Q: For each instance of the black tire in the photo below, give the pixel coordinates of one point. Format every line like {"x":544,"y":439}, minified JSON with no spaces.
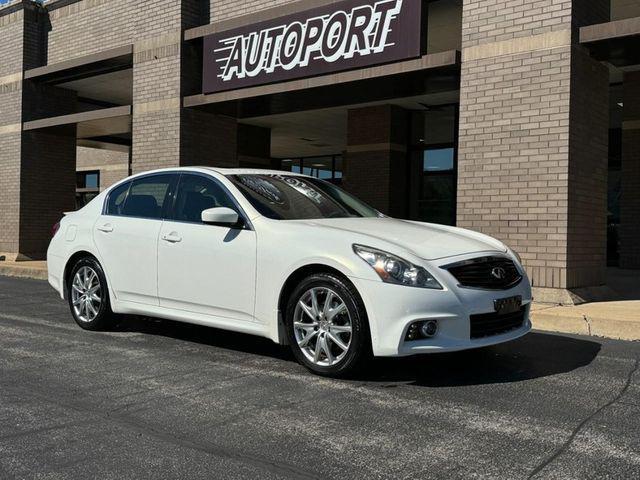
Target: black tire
{"x":359,"y":348}
{"x":104,"y":318}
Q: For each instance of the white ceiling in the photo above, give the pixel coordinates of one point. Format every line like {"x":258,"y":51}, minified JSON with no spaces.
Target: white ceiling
{"x":324,"y":132}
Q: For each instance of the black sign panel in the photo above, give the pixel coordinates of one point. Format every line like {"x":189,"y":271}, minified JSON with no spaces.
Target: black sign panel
{"x":341,"y":36}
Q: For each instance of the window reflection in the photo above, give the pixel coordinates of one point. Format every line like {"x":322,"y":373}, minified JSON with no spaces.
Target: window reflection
{"x":325,"y":167}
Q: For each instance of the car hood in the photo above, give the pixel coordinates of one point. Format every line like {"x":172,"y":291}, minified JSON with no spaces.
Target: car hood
{"x":425,"y":240}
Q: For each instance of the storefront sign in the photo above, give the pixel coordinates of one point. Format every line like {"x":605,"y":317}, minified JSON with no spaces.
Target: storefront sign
{"x":341,"y":36}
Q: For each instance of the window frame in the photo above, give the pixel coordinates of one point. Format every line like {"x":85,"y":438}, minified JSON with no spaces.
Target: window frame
{"x":168,"y":195}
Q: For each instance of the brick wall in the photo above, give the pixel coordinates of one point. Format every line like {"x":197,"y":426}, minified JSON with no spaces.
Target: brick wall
{"x":111,"y":161}
{"x":11,"y":52}
{"x":226,"y":9}
{"x":90,"y":26}
{"x":519,"y":158}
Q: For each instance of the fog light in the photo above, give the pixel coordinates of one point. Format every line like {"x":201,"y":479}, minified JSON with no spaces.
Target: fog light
{"x":429,"y":329}
{"x":424,"y":329}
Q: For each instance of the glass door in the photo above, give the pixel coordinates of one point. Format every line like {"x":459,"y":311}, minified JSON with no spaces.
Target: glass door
{"x":434,"y":159}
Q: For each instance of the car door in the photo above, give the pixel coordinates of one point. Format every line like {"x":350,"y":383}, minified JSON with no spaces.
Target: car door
{"x":207,"y":269}
{"x":126,"y":235}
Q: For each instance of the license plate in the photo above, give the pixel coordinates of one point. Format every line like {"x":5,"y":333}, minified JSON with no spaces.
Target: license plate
{"x":504,"y":306}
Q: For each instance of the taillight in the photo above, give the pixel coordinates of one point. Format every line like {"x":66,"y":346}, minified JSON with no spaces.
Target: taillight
{"x":55,"y":229}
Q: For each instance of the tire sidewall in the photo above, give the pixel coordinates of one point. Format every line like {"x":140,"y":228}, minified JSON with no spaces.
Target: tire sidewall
{"x":104,"y":313}
{"x":360,"y":337}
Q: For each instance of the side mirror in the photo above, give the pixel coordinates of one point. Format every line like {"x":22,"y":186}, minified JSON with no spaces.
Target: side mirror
{"x":220,"y":216}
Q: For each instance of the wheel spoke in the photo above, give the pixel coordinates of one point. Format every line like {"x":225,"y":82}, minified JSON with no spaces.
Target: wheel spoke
{"x":306,"y":326}
{"x":95,"y":298}
{"x":308,"y":310}
{"x":327,"y":304}
{"x":316,"y":353}
{"x":314,"y":303}
{"x":341,"y":328}
{"x":327,"y":349}
{"x":91,"y":309}
{"x":305,"y":341}
{"x":335,"y":339}
{"x":77,"y":288}
{"x":336,"y":311}
{"x":77,"y":301}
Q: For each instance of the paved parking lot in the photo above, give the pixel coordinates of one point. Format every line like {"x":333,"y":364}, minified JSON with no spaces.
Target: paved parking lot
{"x":157,"y":399}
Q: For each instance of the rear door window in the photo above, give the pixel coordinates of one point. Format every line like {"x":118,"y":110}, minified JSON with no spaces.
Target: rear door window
{"x":149,"y":197}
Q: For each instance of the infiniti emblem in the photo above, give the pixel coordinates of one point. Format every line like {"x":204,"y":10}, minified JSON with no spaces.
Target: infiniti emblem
{"x":498,"y":273}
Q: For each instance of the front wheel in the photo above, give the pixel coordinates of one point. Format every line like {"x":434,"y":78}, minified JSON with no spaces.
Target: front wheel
{"x":327,"y":326}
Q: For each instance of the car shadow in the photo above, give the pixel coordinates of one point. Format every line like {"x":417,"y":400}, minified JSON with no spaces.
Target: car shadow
{"x":534,"y":356}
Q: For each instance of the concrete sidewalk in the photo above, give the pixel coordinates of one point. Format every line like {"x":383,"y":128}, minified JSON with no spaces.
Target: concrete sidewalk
{"x":615,"y":319}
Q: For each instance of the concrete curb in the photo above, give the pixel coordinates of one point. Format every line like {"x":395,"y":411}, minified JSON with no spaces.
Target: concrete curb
{"x":615,"y":324}
{"x":23,"y":272}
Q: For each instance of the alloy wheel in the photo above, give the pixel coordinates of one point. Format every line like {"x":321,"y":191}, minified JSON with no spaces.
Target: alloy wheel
{"x":86,"y":294}
{"x":322,"y":326}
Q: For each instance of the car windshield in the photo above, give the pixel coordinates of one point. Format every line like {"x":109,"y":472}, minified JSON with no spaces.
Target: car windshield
{"x":289,"y":197}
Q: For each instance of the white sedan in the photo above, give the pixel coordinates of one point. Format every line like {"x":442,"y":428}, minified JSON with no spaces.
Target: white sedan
{"x":288,"y":257}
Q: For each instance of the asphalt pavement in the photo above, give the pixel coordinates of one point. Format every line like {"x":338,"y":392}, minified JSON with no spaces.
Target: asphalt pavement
{"x":158,"y":399}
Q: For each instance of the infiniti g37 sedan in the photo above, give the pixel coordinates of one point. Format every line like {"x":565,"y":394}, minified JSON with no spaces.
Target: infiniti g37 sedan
{"x":287,"y":257}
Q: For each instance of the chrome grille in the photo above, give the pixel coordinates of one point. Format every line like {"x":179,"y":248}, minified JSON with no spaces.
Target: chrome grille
{"x":490,"y":273}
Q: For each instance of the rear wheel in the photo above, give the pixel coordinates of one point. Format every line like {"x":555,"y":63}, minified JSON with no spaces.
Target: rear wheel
{"x":89,"y":296}
{"x":327,"y":326}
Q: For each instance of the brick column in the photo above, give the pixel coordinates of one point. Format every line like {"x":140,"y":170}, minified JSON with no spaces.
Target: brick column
{"x":38,"y":167}
{"x":630,"y":197}
{"x":533,"y":139}
{"x":376,"y":158}
{"x":164,"y":133}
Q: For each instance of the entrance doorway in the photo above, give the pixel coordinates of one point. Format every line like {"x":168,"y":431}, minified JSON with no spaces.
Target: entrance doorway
{"x":434,"y":161}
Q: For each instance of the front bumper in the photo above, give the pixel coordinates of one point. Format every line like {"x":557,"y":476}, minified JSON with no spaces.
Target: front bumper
{"x":392,"y":309}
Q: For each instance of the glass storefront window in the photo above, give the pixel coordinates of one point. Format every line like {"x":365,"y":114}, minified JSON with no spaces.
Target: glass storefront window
{"x":327,"y":167}
{"x":87,"y":187}
{"x":438,"y":160}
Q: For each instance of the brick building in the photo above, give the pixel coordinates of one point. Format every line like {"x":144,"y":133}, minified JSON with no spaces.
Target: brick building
{"x":517,"y":118}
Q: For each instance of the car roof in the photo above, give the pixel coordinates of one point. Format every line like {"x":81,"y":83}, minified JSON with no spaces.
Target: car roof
{"x":222,"y":171}
{"x":249,"y":171}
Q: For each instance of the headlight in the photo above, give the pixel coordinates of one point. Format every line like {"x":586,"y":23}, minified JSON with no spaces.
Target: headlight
{"x":392,"y":269}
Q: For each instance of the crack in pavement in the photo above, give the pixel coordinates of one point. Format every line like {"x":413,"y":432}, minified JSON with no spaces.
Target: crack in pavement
{"x":584,"y":422}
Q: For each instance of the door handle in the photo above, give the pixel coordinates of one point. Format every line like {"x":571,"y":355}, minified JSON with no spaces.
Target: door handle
{"x":172,"y":238}
{"x":107,"y":228}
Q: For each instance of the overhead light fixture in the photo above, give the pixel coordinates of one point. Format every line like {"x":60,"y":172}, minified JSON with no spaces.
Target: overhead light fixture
{"x":620,"y":104}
